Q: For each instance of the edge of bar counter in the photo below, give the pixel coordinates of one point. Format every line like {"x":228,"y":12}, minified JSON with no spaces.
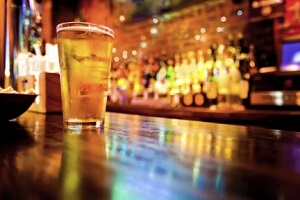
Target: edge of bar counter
{"x":267,"y":118}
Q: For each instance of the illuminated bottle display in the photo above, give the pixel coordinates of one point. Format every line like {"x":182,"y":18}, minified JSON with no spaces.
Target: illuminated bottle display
{"x":217,"y":77}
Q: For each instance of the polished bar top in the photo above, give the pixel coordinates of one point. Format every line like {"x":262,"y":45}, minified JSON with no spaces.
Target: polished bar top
{"x":279,"y":118}
{"x":142,"y":157}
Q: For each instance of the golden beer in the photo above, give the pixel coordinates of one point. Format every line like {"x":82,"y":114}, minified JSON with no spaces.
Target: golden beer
{"x":85,"y":52}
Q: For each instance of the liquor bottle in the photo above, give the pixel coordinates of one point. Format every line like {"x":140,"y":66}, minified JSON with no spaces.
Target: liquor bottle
{"x":200,"y":99}
{"x":187,"y":98}
{"x":252,"y":61}
{"x":170,"y":76}
{"x":175,"y":93}
{"x":231,"y":49}
{"x":193,"y":70}
{"x":229,"y":86}
{"x":243,"y":59}
{"x":250,"y":69}
{"x":223,"y":79}
{"x":185,"y":74}
{"x":211,"y":81}
{"x":161,"y":85}
{"x":234,"y":91}
{"x":191,"y":84}
{"x":149,"y":76}
{"x":177,"y":71}
{"x":202,"y":71}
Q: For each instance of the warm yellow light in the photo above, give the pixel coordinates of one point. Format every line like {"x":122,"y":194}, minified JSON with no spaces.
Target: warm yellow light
{"x":144,"y":45}
{"x":153,"y":31}
{"x":134,"y":52}
{"x":122,"y":18}
{"x":155,"y":20}
{"x":223,"y":19}
{"x":220,"y":29}
{"x":116,"y":59}
{"x":125,"y":55}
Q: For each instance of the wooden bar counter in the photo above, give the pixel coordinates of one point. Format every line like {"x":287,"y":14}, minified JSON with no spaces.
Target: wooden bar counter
{"x":143,"y":157}
{"x":283,"y":119}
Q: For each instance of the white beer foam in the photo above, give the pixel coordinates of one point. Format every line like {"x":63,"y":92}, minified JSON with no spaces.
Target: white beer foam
{"x":91,"y":28}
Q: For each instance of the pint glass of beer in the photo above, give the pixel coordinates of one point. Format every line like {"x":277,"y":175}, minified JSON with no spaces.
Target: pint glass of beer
{"x":85,"y":53}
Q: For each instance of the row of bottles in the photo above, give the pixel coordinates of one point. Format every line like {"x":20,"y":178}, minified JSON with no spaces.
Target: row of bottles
{"x":220,"y":78}
{"x":216,"y":77}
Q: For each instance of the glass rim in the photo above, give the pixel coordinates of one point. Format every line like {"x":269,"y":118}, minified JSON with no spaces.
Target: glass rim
{"x":98,"y":27}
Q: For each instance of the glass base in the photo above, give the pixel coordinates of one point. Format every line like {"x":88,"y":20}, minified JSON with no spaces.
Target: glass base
{"x":83,"y":125}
